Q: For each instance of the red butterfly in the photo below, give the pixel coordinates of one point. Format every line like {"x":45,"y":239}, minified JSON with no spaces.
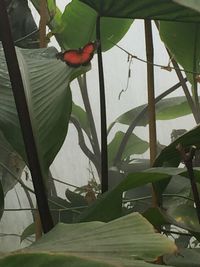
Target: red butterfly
{"x":78,"y":57}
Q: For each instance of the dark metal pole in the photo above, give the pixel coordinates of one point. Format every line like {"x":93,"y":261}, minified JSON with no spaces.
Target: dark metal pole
{"x":24,"y":118}
{"x":104,"y":152}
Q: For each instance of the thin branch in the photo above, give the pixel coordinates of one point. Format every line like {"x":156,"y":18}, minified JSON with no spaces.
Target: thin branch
{"x":163,"y":67}
{"x":59,"y":181}
{"x":149,"y":197}
{"x":179,"y":74}
{"x":16,"y":178}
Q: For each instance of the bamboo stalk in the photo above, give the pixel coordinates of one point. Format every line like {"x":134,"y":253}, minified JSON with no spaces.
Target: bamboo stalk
{"x":151,"y":93}
{"x":43,"y":23}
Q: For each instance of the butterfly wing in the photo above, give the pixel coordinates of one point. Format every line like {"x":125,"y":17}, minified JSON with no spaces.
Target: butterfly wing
{"x":88,"y":53}
{"x":72,"y":58}
{"x":76,"y":58}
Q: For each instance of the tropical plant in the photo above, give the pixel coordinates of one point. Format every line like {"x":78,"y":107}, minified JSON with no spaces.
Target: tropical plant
{"x":124,"y":145}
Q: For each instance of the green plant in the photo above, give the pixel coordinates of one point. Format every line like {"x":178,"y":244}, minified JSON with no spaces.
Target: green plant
{"x":124,"y":145}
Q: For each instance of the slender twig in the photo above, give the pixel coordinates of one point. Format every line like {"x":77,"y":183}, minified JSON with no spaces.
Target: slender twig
{"x":137,"y":119}
{"x":59,"y":181}
{"x":16,"y":178}
{"x":164,"y":195}
{"x":163,"y":67}
{"x":35,"y":209}
{"x":24,"y":118}
{"x":29,"y":200}
{"x":26,"y":36}
{"x":185,"y":88}
{"x":104,"y":152}
{"x":179,"y":74}
{"x":194,"y":86}
{"x":187,"y":158}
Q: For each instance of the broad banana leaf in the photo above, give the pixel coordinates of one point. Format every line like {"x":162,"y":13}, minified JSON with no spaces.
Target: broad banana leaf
{"x":46,"y":81}
{"x":128,"y":241}
{"x":143,"y":9}
{"x":78,"y":27}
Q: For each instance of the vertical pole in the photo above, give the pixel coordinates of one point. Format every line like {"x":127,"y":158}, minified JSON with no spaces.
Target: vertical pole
{"x":24,"y":118}
{"x":151,"y":93}
{"x":104,"y":152}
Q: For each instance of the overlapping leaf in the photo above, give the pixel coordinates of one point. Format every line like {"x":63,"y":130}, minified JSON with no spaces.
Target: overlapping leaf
{"x":78,"y":27}
{"x":128,"y":241}
{"x":142,"y":9}
{"x":46,"y":81}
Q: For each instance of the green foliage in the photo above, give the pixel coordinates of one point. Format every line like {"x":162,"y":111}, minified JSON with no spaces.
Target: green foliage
{"x":135,"y":145}
{"x":1,"y":200}
{"x":142,"y":9}
{"x":46,"y":82}
{"x":166,"y":109}
{"x":128,"y":241}
{"x":183,"y":40}
{"x":78,"y":27}
{"x":170,"y":155}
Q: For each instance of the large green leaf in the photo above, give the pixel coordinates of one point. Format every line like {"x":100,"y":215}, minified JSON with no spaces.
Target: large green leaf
{"x":170,"y":155}
{"x":142,"y":9}
{"x":127,"y":241}
{"x":51,"y":259}
{"x":22,"y":24}
{"x":166,"y":109}
{"x":81,"y":116}
{"x":183,"y":40}
{"x":78,"y":27}
{"x":135,"y":145}
{"x":48,"y":97}
{"x":109,"y":205}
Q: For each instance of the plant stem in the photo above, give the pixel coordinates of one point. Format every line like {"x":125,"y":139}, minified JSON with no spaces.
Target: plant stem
{"x":104,"y":152}
{"x":94,"y":140}
{"x":194,"y":85}
{"x":82,"y":144}
{"x":16,"y":178}
{"x":187,"y":158}
{"x":185,"y":89}
{"x":183,"y":83}
{"x":151,"y":102}
{"x":24,"y":118}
